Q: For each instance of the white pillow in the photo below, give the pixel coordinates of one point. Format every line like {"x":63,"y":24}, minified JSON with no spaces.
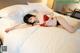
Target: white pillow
{"x":15,"y":12}
{"x":6,"y":23}
{"x":40,"y":7}
{"x":12,"y":16}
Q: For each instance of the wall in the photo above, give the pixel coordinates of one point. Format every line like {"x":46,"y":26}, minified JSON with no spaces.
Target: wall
{"x":50,"y":3}
{"x":34,"y":1}
{"x":5,"y":3}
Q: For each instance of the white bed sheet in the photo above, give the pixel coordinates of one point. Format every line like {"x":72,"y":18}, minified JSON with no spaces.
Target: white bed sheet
{"x":42,"y":40}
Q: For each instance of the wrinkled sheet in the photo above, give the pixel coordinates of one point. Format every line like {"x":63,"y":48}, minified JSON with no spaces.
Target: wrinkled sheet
{"x":42,"y":40}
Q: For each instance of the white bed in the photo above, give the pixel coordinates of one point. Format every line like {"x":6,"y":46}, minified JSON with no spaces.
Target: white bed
{"x":36,"y":39}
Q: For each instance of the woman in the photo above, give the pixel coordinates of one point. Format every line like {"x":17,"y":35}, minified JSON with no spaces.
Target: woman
{"x":49,"y":21}
{"x":58,"y":21}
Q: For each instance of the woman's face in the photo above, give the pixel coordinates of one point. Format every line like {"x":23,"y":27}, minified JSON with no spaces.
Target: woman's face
{"x":32,"y":19}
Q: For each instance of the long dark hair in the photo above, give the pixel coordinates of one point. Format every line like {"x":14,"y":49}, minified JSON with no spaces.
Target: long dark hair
{"x":26,"y":19}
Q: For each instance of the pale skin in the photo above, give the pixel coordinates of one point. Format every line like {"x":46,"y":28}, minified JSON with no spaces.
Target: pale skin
{"x":63,"y":24}
{"x":24,"y":25}
{"x":18,"y":27}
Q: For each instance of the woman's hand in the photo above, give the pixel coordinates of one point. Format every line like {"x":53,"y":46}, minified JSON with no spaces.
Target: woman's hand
{"x":8,"y":29}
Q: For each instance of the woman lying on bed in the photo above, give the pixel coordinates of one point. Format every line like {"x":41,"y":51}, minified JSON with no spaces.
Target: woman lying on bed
{"x":49,"y":21}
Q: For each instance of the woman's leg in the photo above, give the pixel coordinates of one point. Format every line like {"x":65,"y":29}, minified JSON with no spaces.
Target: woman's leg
{"x":65,"y":24}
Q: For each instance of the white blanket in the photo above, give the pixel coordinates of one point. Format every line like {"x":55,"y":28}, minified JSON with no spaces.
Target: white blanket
{"x":42,"y":40}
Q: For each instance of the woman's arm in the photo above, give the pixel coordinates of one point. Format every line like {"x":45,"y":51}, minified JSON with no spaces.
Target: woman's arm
{"x":65,"y":24}
{"x":17,"y":27}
